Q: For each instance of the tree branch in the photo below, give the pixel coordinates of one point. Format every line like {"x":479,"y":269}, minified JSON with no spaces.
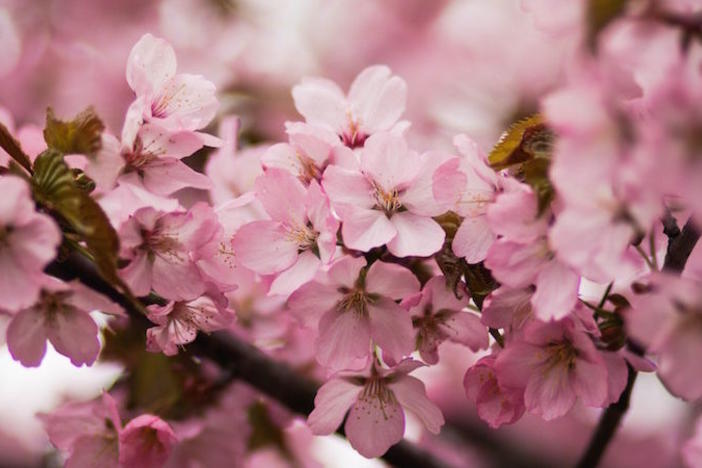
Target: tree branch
{"x":277,"y":380}
{"x":680,"y":245}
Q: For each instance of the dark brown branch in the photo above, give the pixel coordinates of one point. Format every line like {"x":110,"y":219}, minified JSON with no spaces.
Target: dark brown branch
{"x":680,"y":245}
{"x":243,"y":360}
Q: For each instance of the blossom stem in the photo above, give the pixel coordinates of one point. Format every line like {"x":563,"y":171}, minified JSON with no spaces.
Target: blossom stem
{"x":680,"y":245}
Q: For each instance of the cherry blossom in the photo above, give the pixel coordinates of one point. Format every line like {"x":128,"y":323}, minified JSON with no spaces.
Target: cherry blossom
{"x":354,"y":305}
{"x":522,"y":257}
{"x":174,"y":101}
{"x":28,"y":242}
{"x":437,"y":315}
{"x":389,"y":199}
{"x":61,"y":316}
{"x":496,"y":405}
{"x":376,"y":401}
{"x":146,"y":441}
{"x":159,"y":246}
{"x":374,"y":103}
{"x":296,"y":241}
{"x":667,"y":321}
{"x":554,"y":364}
{"x":180,"y":321}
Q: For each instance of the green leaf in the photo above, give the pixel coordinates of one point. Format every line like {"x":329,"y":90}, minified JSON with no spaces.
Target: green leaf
{"x":56,"y":189}
{"x":599,"y":14}
{"x":82,"y":135}
{"x":525,"y":140}
{"x":13,"y":148}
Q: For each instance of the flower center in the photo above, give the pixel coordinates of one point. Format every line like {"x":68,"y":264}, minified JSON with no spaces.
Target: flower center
{"x":355,"y":301}
{"x":304,"y":236}
{"x":309,"y":170}
{"x":562,"y":354}
{"x":389,"y":202}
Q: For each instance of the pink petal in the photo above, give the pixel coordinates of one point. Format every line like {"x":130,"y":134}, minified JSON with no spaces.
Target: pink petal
{"x":87,"y":300}
{"x":321,"y":102}
{"x":331,"y":403}
{"x":344,"y":337}
{"x":387,"y":160}
{"x":92,"y":451}
{"x":302,"y":271}
{"x":416,"y":235}
{"x":345,"y":271}
{"x":347,"y":187}
{"x":465,"y":328}
{"x":364,"y":229}
{"x":137,"y":274}
{"x":391,"y":280}
{"x":550,"y":395}
{"x":391,"y":328}
{"x":151,"y":63}
{"x":18,"y":288}
{"x":374,"y":425}
{"x":162,"y":142}
{"x":312,"y":300}
{"x":556,"y":291}
{"x":411,"y":394}
{"x":186,"y":102}
{"x":283,"y":197}
{"x":176,"y":277}
{"x":167,"y":175}
{"x":473,"y":239}
{"x":506,"y":306}
{"x":145,"y":442}
{"x":265,"y":247}
{"x":377,"y":99}
{"x":282,"y":156}
{"x":74,"y":334}
{"x":591,"y":385}
{"x":617,"y":374}
{"x":26,"y":337}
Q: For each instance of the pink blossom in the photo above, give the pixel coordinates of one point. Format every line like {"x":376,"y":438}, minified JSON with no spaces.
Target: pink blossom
{"x":377,"y":400}
{"x":159,"y":246}
{"x":474,"y":236}
{"x":173,"y":101}
{"x":374,"y":103}
{"x":522,"y":257}
{"x":600,"y":181}
{"x":554,"y":364}
{"x":668,"y":323}
{"x":507,"y":308}
{"x":299,"y":237}
{"x":61,"y":316}
{"x":233,"y":171}
{"x":88,"y":432}
{"x":356,"y":305}
{"x":152,"y":155}
{"x":310,"y":150}
{"x":28,"y":242}
{"x":391,"y":199}
{"x":437,"y":316}
{"x":496,"y":405}
{"x":145,"y":442}
{"x":180,"y":321}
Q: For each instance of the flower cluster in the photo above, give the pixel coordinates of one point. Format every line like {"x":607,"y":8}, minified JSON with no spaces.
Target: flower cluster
{"x":348,"y":251}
